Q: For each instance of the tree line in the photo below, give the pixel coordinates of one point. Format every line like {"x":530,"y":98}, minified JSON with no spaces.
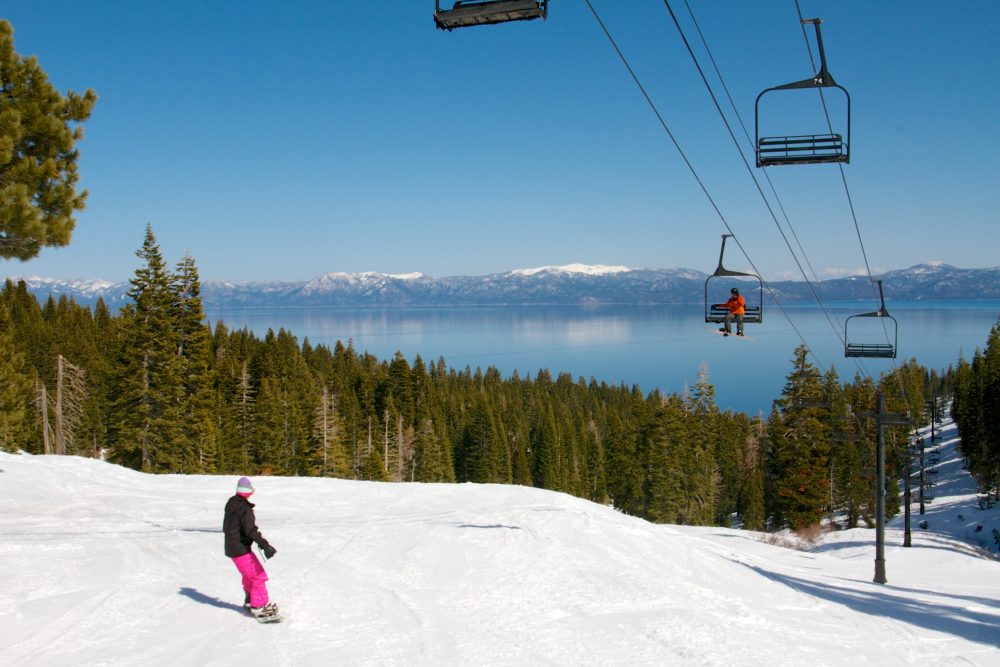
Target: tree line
{"x":975,"y":409}
{"x":155,"y":388}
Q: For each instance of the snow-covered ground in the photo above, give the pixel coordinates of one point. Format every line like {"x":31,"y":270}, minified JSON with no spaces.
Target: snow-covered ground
{"x":100,"y":565}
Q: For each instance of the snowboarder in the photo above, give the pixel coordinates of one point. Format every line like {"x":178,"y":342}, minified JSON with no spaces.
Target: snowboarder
{"x":736,"y":307}
{"x":240,"y":528}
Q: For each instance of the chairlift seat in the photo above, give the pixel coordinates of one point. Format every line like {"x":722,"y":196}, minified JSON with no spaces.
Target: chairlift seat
{"x":467,"y":13}
{"x":801,"y":149}
{"x":878,"y":350}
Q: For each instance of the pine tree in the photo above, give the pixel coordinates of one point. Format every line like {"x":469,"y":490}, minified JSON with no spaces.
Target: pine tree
{"x":700,"y":472}
{"x":194,"y":352}
{"x":430,"y":464}
{"x":478,"y":454}
{"x":976,"y":403}
{"x":625,"y":469}
{"x":667,"y":459}
{"x":288,"y":394}
{"x":330,"y":457}
{"x":798,"y":448}
{"x":37,"y":156}
{"x":15,"y":387}
{"x":546,"y":451}
{"x":243,"y":412}
{"x":373,"y":469}
{"x":148,"y":414}
{"x":751,"y":470}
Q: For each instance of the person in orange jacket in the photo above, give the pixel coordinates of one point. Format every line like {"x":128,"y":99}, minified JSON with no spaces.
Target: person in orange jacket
{"x":736,"y":307}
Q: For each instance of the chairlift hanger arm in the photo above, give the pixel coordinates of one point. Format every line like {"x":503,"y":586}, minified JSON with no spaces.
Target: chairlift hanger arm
{"x":723,"y":271}
{"x":823,"y":77}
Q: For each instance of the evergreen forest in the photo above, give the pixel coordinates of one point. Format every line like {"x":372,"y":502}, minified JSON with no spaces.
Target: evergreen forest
{"x":154,"y":388}
{"x":976,"y":404}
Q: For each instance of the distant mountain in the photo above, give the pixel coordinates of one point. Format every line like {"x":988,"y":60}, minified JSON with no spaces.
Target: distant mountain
{"x":574,"y":284}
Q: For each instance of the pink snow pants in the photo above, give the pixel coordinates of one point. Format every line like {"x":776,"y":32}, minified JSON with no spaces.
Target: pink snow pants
{"x":254,"y":577}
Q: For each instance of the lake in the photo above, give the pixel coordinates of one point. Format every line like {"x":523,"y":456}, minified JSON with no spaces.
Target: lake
{"x":651,"y":346}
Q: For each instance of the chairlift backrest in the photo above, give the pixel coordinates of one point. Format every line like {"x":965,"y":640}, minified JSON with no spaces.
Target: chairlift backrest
{"x":466,"y":13}
{"x":805,"y":148}
{"x":754,"y":309}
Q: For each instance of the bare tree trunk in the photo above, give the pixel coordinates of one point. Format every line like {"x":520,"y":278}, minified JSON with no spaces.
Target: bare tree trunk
{"x":399,"y":447}
{"x":43,"y":407}
{"x":385,"y":459}
{"x":326,"y":428}
{"x":60,"y":435}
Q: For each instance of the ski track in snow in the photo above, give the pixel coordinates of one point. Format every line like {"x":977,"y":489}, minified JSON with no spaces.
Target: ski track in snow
{"x":107,"y":566}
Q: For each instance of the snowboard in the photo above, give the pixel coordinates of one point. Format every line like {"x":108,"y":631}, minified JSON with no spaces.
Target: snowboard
{"x":273,"y":618}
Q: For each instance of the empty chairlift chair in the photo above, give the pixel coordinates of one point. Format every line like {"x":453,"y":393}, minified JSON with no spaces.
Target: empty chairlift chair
{"x":754,"y":312}
{"x":885,"y":350}
{"x":805,"y":148}
{"x":467,"y":13}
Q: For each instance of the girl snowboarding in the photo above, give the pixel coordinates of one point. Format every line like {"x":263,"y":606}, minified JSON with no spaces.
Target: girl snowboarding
{"x":240,"y":528}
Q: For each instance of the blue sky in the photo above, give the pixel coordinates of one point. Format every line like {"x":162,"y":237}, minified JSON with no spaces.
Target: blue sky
{"x":283,"y":140}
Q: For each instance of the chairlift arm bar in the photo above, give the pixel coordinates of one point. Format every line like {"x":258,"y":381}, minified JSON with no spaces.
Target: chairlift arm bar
{"x":801,"y":139}
{"x":819,"y":149}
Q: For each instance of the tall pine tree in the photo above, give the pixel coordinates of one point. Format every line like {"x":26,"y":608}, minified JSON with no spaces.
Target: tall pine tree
{"x":148,"y":421}
{"x":798,"y":448}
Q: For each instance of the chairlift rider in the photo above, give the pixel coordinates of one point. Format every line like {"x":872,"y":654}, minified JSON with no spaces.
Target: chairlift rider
{"x":736,"y":307}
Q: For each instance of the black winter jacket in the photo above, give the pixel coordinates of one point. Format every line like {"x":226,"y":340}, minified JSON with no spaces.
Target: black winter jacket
{"x":240,"y":527}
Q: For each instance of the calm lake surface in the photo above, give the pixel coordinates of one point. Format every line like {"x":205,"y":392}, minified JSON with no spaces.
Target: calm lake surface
{"x":650,"y":346}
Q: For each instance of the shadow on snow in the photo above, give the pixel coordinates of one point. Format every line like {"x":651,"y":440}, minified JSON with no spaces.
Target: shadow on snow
{"x":894,"y":602}
{"x":198,"y":596}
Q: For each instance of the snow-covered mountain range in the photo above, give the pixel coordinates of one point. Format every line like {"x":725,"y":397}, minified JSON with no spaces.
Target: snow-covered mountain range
{"x":573,"y":284}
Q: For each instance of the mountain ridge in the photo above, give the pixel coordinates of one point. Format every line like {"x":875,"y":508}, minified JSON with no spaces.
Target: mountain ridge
{"x":573,"y":284}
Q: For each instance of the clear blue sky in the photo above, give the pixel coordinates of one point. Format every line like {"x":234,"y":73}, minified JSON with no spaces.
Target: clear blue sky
{"x":283,"y":140}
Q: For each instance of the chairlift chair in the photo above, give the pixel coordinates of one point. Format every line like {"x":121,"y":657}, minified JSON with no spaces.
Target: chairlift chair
{"x":467,"y":13}
{"x":753,"y":314}
{"x":875,"y":350}
{"x":805,"y":148}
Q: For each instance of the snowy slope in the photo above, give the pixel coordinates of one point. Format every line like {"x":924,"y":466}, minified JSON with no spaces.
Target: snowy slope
{"x":106,"y":566}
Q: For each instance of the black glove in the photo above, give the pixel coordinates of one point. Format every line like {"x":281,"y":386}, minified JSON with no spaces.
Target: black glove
{"x":269,"y":551}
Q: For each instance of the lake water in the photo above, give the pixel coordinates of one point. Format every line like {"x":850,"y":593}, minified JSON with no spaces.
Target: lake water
{"x":653,"y":347}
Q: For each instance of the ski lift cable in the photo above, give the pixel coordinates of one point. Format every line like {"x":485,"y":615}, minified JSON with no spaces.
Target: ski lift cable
{"x":843,"y":176}
{"x":857,"y":363}
{"x":847,"y":192}
{"x":708,"y":86}
{"x":750,"y":140}
{"x":850,"y":199}
{"x":750,"y":171}
{"x":694,"y":173}
{"x":708,"y":50}
{"x":760,"y":190}
{"x":746,"y":133}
